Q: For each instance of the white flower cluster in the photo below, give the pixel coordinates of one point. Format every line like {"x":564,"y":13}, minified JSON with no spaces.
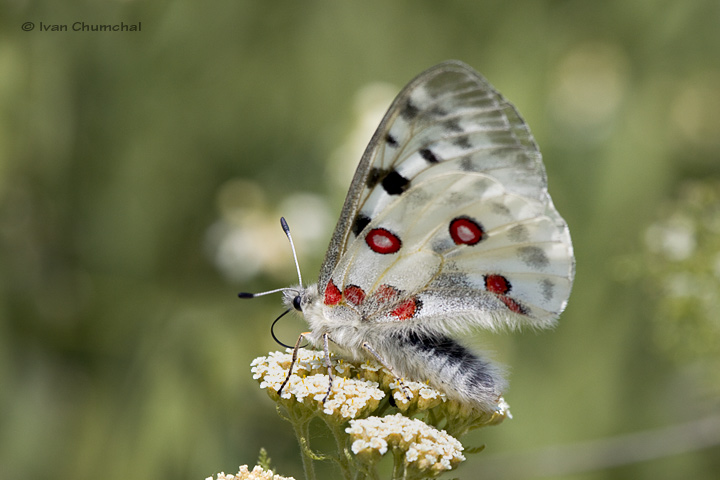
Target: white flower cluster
{"x":349,"y":398}
{"x":426,"y":449}
{"x":422,"y":396}
{"x":257,"y":473}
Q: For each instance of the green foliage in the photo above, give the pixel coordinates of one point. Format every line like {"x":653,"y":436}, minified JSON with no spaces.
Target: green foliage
{"x":264,"y":460}
{"x":683,"y":259}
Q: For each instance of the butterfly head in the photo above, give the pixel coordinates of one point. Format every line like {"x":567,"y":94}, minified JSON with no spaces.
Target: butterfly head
{"x":299,"y":297}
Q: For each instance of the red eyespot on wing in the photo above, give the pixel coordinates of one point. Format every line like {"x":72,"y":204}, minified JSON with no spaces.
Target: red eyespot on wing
{"x":382,"y":241}
{"x":406,"y":309}
{"x":466,"y":231}
{"x":500,"y":286}
{"x":385,"y":293}
{"x":333,"y":295}
{"x":497,"y":284}
{"x":354,"y":294}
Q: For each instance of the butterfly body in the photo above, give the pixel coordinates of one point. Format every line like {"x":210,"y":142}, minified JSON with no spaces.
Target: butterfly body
{"x":447,"y":227}
{"x":411,"y":351}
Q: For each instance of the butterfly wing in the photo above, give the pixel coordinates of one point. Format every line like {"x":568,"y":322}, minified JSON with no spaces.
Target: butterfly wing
{"x":448,"y":220}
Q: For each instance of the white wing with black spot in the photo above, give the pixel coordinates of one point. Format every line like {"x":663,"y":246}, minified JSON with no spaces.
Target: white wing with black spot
{"x":448,"y":220}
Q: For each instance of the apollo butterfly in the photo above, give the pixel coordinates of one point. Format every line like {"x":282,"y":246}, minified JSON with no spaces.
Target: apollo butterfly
{"x":447,"y":226}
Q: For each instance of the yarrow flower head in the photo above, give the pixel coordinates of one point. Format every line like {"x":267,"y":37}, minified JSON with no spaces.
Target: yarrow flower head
{"x":415,"y":397}
{"x":257,"y":473}
{"x":357,"y":389}
{"x":425,"y":450}
{"x":349,"y":397}
{"x":379,"y":408}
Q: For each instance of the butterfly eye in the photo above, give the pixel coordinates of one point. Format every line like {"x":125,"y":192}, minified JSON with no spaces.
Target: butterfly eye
{"x":296,"y":304}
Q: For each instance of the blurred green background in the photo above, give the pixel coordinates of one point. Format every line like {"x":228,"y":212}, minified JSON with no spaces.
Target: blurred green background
{"x":142,"y":175}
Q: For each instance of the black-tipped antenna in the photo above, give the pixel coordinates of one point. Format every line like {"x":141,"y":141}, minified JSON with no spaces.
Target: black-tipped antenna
{"x":253,"y":295}
{"x":286,"y":229}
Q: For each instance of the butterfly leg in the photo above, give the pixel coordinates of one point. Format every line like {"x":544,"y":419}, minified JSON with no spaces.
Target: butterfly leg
{"x":328,"y":364}
{"x":366,"y":346}
{"x":292,"y":362}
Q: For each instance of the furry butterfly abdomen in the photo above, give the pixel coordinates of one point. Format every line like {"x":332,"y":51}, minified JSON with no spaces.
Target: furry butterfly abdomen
{"x":447,"y":227}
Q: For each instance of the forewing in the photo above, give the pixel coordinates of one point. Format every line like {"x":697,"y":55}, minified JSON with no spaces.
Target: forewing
{"x":448,"y":220}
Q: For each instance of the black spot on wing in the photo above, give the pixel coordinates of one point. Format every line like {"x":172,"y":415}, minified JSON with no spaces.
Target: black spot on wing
{"x":361,"y":221}
{"x":453,"y":126}
{"x":533,"y":257}
{"x":463,"y":142}
{"x":437,"y":112}
{"x":519,"y":233}
{"x":394,"y":183}
{"x":410,"y":111}
{"x":391,"y":141}
{"x":500,"y":209}
{"x":429,"y":155}
{"x":547,"y":288}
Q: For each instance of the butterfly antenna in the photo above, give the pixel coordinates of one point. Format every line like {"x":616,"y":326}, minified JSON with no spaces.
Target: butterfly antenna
{"x":286,"y":229}
{"x":260,"y":294}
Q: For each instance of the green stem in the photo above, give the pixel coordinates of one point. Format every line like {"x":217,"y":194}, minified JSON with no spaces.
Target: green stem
{"x":302,"y":431}
{"x":398,"y":464}
{"x":344,"y":457}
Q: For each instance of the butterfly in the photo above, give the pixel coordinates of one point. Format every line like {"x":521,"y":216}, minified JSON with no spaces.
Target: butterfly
{"x":447,"y":227}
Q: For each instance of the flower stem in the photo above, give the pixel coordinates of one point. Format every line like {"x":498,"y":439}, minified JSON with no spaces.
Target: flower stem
{"x":302,"y":433}
{"x":344,"y":458}
{"x":398,"y":464}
